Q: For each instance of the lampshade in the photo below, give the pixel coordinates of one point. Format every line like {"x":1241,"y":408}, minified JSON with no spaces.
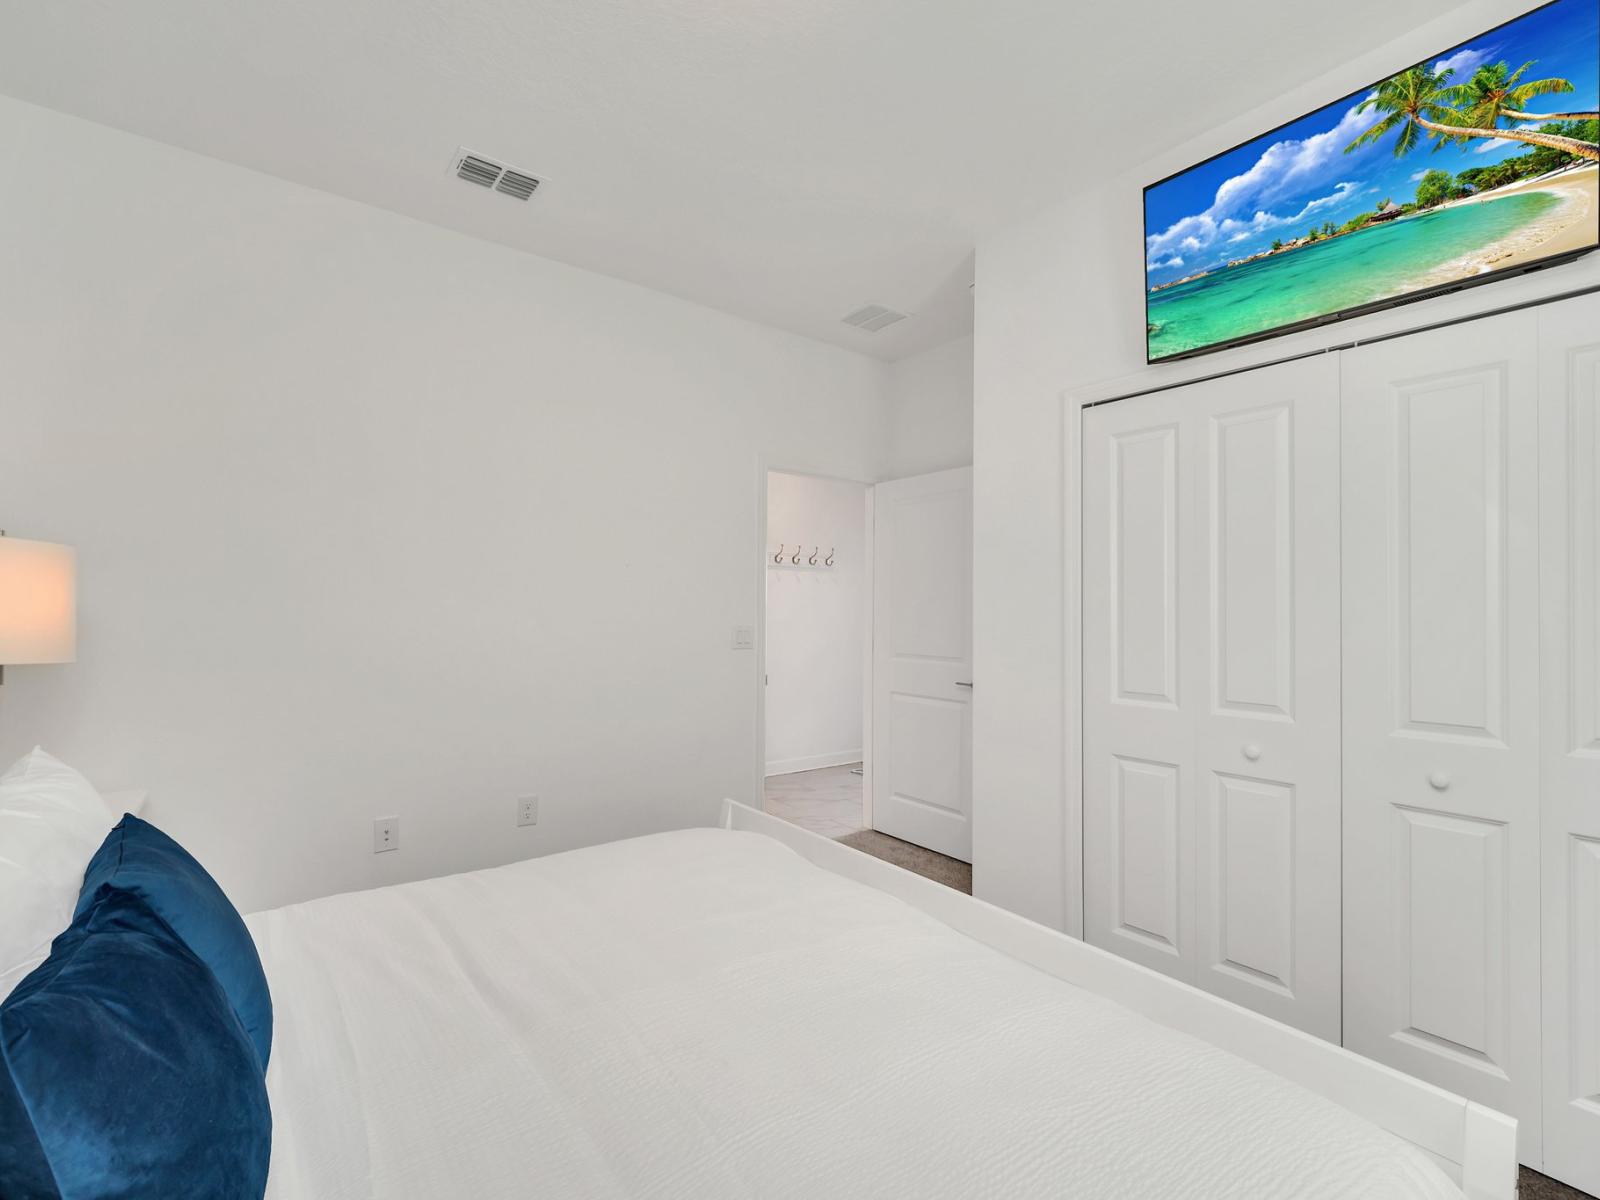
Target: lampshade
{"x":38,"y":603}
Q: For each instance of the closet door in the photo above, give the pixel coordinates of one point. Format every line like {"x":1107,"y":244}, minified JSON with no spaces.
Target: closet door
{"x":1266,"y":666}
{"x":1569,"y":384}
{"x":1441,"y":711}
{"x":1139,"y":532}
{"x":1211,"y":676}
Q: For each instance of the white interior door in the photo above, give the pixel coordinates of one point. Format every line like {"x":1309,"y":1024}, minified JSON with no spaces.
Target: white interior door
{"x":1211,"y":686}
{"x":922,"y":661}
{"x":1441,"y":710}
{"x":1569,"y":385}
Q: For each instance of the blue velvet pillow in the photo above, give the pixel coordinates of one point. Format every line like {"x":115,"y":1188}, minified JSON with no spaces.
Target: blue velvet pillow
{"x":137,"y":857}
{"x":125,"y":1072}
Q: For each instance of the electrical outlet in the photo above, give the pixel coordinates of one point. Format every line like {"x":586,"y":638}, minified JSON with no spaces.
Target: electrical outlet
{"x":527,"y":810}
{"x":385,"y":834}
{"x":744,"y":637}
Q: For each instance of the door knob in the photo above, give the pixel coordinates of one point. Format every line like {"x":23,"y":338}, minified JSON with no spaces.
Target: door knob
{"x":963,"y":683}
{"x":1251,"y":751}
{"x":1438,"y":781}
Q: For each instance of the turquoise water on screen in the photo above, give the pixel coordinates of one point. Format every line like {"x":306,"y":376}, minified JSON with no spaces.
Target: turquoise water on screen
{"x":1328,"y":276}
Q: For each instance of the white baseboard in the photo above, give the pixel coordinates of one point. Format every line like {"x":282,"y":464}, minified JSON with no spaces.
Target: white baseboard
{"x":788,"y":766}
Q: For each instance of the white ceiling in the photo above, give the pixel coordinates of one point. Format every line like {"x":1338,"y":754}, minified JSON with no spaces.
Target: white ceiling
{"x":785,"y":160}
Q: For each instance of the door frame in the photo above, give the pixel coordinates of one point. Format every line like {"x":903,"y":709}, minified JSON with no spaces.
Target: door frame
{"x":1073,"y":403}
{"x":764,"y":467}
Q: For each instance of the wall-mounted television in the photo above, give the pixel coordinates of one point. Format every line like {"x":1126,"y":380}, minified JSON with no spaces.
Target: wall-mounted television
{"x":1478,"y":163}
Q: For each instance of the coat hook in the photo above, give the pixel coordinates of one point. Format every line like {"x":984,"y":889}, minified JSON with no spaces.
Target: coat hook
{"x":828,"y":562}
{"x":813,"y":559}
{"x":796,"y":559}
{"x":778,"y":557}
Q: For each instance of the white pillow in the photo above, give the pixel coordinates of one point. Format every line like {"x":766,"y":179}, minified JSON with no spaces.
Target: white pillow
{"x":51,"y":823}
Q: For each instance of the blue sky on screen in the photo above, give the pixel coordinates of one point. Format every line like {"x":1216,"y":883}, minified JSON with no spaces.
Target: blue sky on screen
{"x":1283,"y":184}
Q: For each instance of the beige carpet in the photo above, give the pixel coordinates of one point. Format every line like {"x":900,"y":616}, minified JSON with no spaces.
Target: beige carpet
{"x":1533,"y":1186}
{"x":951,"y":872}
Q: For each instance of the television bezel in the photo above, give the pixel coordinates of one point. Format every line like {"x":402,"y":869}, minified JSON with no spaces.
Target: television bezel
{"x":1356,"y":310}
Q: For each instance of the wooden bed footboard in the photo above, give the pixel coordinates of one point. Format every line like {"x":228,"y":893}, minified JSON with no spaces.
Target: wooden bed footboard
{"x":1475,"y":1145}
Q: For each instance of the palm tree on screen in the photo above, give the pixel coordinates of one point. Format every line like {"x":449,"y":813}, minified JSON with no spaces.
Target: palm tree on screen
{"x":1494,"y":93}
{"x":1421,"y":102}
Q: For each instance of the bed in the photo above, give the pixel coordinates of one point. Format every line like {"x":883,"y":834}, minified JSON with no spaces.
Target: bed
{"x":753,"y":1010}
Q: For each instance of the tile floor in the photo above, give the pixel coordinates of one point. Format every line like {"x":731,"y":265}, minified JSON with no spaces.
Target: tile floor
{"x":826,"y":801}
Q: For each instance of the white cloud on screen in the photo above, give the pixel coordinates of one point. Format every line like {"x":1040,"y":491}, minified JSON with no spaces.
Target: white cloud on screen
{"x":1465,"y":61}
{"x":1281,"y":168}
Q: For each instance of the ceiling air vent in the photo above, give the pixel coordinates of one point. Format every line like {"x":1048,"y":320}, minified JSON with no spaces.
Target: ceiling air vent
{"x":515,"y":183}
{"x":485,"y":172}
{"x":873,"y":317}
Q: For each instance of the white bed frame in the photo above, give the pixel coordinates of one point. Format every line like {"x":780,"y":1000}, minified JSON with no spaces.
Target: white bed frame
{"x":1476,"y":1146}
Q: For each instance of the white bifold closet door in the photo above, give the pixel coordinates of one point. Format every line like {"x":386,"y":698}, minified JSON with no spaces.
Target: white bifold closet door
{"x":1569,"y":385}
{"x":1211,"y":686}
{"x":1441,"y":710}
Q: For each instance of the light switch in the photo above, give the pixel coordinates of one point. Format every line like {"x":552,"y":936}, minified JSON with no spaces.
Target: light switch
{"x":744,"y":637}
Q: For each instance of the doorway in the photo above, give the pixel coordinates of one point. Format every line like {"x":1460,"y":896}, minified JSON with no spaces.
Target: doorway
{"x":818,"y":597}
{"x":865,"y":688}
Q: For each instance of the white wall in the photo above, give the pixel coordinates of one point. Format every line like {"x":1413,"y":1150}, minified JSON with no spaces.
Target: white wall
{"x":815,"y":624}
{"x":1060,"y":307}
{"x":374,"y":518}
{"x":930,"y":410}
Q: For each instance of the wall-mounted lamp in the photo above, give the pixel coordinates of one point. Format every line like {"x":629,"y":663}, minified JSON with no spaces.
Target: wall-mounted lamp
{"x":38,"y":603}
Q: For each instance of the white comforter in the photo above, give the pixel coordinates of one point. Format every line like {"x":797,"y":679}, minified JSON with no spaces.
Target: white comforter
{"x":705,"y":1014}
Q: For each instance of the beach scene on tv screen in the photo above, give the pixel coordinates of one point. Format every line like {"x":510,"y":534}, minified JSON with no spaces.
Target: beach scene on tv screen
{"x":1481,"y":159}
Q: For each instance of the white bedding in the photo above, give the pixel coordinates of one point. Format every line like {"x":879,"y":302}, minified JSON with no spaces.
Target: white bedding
{"x":705,"y":1014}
